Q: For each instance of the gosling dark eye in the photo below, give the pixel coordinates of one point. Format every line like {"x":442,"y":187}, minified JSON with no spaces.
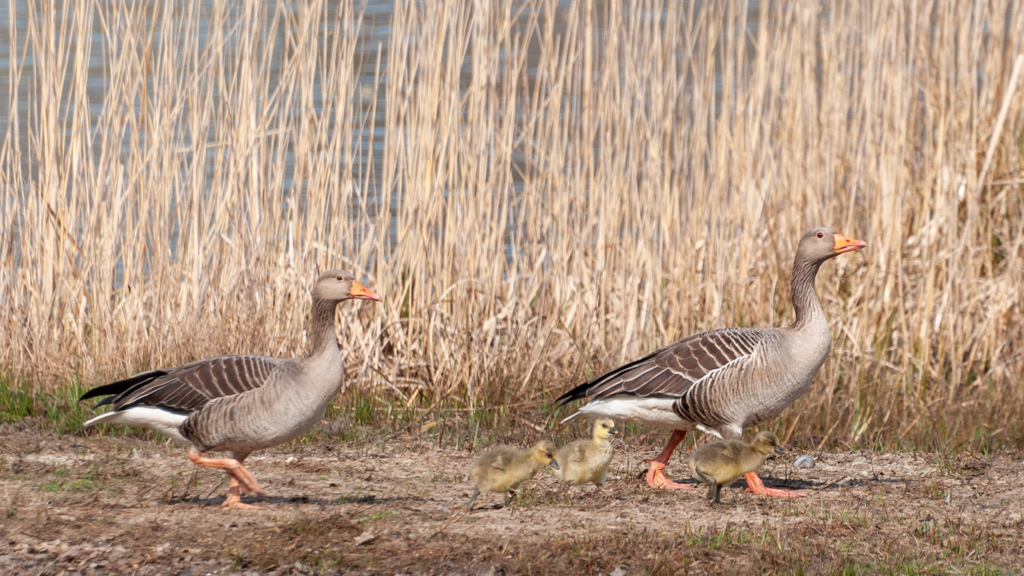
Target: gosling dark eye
{"x":340,"y":278}
{"x":821,"y":234}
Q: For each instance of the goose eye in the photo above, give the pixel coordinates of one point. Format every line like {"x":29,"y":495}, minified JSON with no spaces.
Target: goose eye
{"x":340,"y":278}
{"x":821,"y":234}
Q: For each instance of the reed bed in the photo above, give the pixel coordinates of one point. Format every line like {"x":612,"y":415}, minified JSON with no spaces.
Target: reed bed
{"x":561,"y":189}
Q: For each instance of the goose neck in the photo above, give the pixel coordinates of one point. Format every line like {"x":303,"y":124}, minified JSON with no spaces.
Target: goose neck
{"x":805,"y":299}
{"x":323,"y":338}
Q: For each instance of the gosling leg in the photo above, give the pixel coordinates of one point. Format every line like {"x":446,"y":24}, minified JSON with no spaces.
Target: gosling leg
{"x":476,"y":492}
{"x":713,"y":486}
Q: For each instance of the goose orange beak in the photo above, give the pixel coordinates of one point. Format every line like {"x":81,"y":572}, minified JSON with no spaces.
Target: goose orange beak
{"x":844,"y":244}
{"x":360,"y":292}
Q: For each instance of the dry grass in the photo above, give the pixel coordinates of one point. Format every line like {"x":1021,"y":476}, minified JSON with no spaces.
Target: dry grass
{"x":562,"y":190}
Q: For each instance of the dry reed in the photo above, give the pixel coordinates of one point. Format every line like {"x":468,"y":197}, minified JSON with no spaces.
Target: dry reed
{"x":562,"y":189}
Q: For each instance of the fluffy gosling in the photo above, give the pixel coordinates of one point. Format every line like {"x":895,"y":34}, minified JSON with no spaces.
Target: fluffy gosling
{"x":585,"y":461}
{"x":504,"y":468}
{"x":719,"y":463}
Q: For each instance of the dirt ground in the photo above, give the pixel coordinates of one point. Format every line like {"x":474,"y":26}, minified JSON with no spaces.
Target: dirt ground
{"x":90,"y":505}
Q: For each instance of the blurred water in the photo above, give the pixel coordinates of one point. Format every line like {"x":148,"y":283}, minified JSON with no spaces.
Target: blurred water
{"x":369,"y":98}
{"x":372,"y":43}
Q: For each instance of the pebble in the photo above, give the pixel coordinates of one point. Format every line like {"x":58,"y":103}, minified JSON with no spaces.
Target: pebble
{"x":805,"y":461}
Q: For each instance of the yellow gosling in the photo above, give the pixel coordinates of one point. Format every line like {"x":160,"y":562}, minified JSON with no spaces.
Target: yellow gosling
{"x":719,"y":463}
{"x":504,"y":468}
{"x":585,"y":461}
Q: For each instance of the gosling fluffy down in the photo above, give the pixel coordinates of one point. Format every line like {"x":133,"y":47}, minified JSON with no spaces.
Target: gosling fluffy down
{"x":504,"y":468}
{"x":585,"y":461}
{"x":719,"y":463}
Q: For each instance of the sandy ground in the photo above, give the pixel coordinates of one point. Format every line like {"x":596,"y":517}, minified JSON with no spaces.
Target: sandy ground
{"x":88,"y":505}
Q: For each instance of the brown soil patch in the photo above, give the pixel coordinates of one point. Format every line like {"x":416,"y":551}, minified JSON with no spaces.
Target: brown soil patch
{"x":73,"y":505}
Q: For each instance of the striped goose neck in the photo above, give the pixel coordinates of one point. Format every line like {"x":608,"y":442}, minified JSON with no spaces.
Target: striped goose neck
{"x":323,"y":338}
{"x":805,"y":299}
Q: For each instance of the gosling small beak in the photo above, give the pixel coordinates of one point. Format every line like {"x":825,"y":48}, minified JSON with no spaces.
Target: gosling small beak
{"x":554,"y":464}
{"x":779,"y":450}
{"x":360,"y":292}
{"x":844,"y":244}
{"x":613,"y":430}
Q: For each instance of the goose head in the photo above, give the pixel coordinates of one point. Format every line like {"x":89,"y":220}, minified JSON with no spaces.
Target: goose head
{"x":544,"y":453}
{"x":766,"y":442}
{"x":338,"y":285}
{"x":604,"y":428}
{"x":820,"y":244}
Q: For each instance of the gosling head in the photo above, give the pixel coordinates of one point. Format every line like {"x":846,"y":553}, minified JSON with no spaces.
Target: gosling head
{"x":338,"y":285}
{"x":544,"y":452}
{"x":766,"y":442}
{"x":604,"y":428}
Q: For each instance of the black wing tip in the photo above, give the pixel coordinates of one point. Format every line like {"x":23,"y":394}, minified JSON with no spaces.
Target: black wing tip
{"x":97,"y":391}
{"x":115,"y":388}
{"x":104,"y":402}
{"x":577,"y":393}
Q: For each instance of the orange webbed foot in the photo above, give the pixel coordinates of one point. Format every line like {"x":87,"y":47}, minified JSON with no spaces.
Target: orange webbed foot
{"x":756,"y":486}
{"x":656,"y":478}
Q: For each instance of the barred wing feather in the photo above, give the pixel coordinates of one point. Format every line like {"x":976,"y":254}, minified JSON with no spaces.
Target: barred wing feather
{"x":672,"y":371}
{"x":188,"y":388}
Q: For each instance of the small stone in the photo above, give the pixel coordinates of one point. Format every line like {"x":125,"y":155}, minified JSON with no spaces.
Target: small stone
{"x":365,"y":538}
{"x":805,"y":461}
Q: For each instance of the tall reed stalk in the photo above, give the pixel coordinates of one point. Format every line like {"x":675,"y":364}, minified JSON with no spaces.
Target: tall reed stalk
{"x":561,"y":189}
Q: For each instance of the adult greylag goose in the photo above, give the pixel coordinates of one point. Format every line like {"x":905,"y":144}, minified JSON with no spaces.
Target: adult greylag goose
{"x":240,"y":403}
{"x":504,"y":468}
{"x":722,"y":381}
{"x":719,"y":463}
{"x":586,"y":461}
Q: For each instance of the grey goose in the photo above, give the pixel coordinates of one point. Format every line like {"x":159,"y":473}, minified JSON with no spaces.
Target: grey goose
{"x":240,"y":403}
{"x":722,"y":381}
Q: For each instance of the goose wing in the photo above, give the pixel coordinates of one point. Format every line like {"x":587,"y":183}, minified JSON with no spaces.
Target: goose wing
{"x":188,"y":388}
{"x":676,"y":369}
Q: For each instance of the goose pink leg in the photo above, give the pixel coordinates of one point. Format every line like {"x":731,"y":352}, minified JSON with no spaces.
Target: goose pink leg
{"x":656,"y":473}
{"x":755,"y":485}
{"x":240,"y":479}
{"x":234,"y":496}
